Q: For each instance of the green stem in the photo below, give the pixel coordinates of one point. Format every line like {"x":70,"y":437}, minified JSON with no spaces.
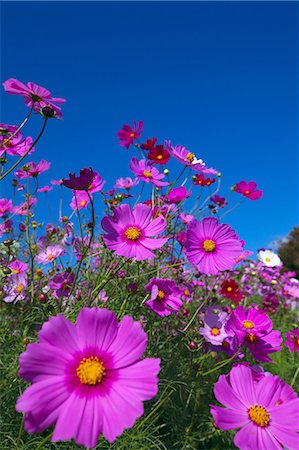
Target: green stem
{"x":41,"y":445}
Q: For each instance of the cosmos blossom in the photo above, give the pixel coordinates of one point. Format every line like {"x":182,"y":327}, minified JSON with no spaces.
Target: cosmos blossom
{"x":131,"y":233}
{"x":269,"y":258}
{"x":177,"y":195}
{"x":147,"y":173}
{"x":210,"y":246}
{"x":127,"y":135}
{"x":11,"y":141}
{"x":248,"y":190}
{"x":261,"y":410}
{"x":35,"y":96}
{"x":88,"y":379}
{"x":292,"y":341}
{"x":32,"y":169}
{"x":49,"y":254}
{"x":200,"y":180}
{"x":165,"y":296}
{"x":188,"y":158}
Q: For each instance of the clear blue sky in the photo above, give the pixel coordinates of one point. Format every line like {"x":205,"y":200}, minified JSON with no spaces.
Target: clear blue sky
{"x":219,"y":78}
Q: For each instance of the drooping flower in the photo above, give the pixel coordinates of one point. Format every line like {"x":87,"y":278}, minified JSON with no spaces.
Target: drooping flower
{"x":147,"y":173}
{"x":49,"y":254}
{"x":292,"y":341}
{"x":127,"y":135}
{"x":32,"y":170}
{"x":269,"y":258}
{"x":210,"y":246}
{"x":177,"y":195}
{"x":35,"y":96}
{"x":130,"y":233}
{"x":88,"y":379}
{"x":248,"y":190}
{"x":255,"y":408}
{"x":165,"y":296}
{"x":188,"y":158}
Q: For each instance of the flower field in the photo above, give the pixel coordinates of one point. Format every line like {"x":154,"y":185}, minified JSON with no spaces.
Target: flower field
{"x":138,"y":319}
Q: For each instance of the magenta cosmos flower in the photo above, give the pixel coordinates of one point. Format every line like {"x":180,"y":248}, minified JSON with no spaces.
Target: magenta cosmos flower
{"x":165,"y":296}
{"x":210,"y":246}
{"x":127,"y":135}
{"x":32,"y":170}
{"x":265,"y":422}
{"x":81,"y":182}
{"x":292,"y":341}
{"x":87,"y":378}
{"x":184,"y":156}
{"x":147,"y":173}
{"x":248,"y":190}
{"x":177,"y":195}
{"x":130,"y":233}
{"x":49,"y":254}
{"x":35,"y":96}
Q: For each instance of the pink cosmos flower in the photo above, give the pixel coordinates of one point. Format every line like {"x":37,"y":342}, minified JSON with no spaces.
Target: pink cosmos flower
{"x":147,"y":173}
{"x":61,"y":284}
{"x":126,"y":183}
{"x":88,"y":379}
{"x":214,"y":327}
{"x":130,"y":233}
{"x":127,"y":135}
{"x":248,"y":190}
{"x":49,"y":254}
{"x":24,"y":208}
{"x":5,"y":206}
{"x":255,"y":408}
{"x":210,"y":246}
{"x":80,"y":200}
{"x":219,"y":201}
{"x":254,"y":329}
{"x":35,"y":96}
{"x":177,"y":195}
{"x":45,"y":189}
{"x":292,"y":341}
{"x":31,"y":169}
{"x":184,"y":156}
{"x":18,"y":268}
{"x":165,"y":296}
{"x":12,"y":142}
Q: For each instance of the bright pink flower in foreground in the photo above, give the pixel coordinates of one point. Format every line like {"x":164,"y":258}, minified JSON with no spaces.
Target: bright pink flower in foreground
{"x":210,"y":246}
{"x":183,"y":155}
{"x":292,"y":341}
{"x":127,"y":135}
{"x":248,"y":190}
{"x":35,"y":96}
{"x":49,"y":254}
{"x":147,"y":173}
{"x":265,"y":421}
{"x":130,"y":233}
{"x":165,"y":296}
{"x":32,"y":170}
{"x":88,"y":379}
{"x":177,"y":195}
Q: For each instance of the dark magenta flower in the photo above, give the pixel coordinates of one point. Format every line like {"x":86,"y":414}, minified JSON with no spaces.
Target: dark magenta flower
{"x":80,"y":183}
{"x":35,"y":96}
{"x":88,"y":379}
{"x":200,"y":180}
{"x":127,"y":135}
{"x":219,"y":201}
{"x":248,"y":190}
{"x":292,"y":341}
{"x":255,"y":408}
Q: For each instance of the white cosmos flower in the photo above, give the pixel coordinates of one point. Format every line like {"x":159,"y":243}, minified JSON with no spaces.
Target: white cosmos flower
{"x":269,"y":258}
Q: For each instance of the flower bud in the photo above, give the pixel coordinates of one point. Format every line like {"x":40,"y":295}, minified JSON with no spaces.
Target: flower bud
{"x":48,"y":112}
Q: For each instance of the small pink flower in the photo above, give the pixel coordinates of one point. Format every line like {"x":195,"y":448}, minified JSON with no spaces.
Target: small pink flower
{"x":50,"y":253}
{"x":248,"y":190}
{"x":147,"y":173}
{"x":292,"y":341}
{"x":32,"y":170}
{"x":126,"y":183}
{"x":80,"y":200}
{"x":219,"y":201}
{"x":165,"y":296}
{"x":5,"y":206}
{"x":35,"y":96}
{"x":127,"y":135}
{"x":177,"y":195}
{"x":188,"y":158}
{"x":45,"y":189}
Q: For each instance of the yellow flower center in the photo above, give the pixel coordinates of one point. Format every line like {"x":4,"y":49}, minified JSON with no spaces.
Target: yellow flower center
{"x":298,"y":341}
{"x":259,"y":415}
{"x":190,"y":157}
{"x":147,"y":174}
{"x":19,"y":288}
{"x":247,"y":192}
{"x":229,"y":289}
{"x":186,"y":292}
{"x":248,"y":324}
{"x":7,"y":143}
{"x":225,"y":344}
{"x":160,"y":295}
{"x":267,"y":259}
{"x":209,"y":245}
{"x":250,"y":337}
{"x":90,"y":371}
{"x":50,"y":256}
{"x":132,"y":233}
{"x":159,"y":156}
{"x":215,"y":331}
{"x":132,"y":134}
{"x":83,"y":203}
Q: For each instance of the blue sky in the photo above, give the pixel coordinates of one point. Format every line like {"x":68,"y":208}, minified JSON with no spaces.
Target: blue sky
{"x":219,"y":78}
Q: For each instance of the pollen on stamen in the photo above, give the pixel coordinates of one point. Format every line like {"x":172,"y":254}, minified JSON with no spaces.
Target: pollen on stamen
{"x":91,"y":371}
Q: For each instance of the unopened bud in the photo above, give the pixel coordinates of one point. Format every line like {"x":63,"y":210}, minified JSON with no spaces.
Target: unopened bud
{"x":48,"y":112}
{"x":166,"y":171}
{"x":42,"y":298}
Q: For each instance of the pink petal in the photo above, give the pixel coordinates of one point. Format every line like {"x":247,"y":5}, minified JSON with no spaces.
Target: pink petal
{"x":227,"y":419}
{"x":247,"y":438}
{"x":59,"y":332}
{"x":96,"y":328}
{"x":242,"y":384}
{"x":288,"y":438}
{"x":227,"y":396}
{"x":156,"y":227}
